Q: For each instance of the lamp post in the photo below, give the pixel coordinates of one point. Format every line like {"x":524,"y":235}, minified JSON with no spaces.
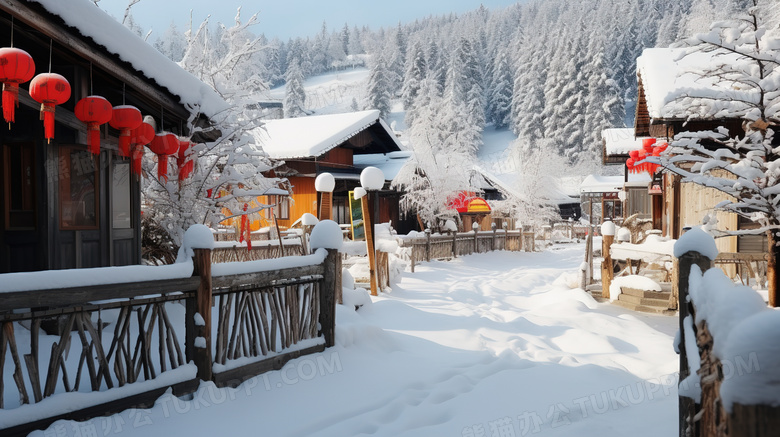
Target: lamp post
{"x":608,"y":236}
{"x":371,"y":179}
{"x":325,"y":183}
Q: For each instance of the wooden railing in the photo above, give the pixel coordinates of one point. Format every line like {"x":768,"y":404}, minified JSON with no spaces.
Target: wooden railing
{"x":138,"y":333}
{"x":702,"y":409}
{"x":453,"y":245}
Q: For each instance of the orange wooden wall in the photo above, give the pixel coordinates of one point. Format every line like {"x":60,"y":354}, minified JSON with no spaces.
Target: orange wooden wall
{"x":304,"y":199}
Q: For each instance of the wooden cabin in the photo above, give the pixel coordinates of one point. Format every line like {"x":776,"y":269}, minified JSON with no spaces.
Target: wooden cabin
{"x":340,"y":144}
{"x":62,"y":207}
{"x":663,"y":76}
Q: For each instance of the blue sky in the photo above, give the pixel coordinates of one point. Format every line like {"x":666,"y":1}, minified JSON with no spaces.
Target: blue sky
{"x":290,"y":18}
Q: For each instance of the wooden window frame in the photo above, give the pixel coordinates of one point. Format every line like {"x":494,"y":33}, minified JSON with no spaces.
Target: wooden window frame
{"x":64,"y":168}
{"x":7,"y":194}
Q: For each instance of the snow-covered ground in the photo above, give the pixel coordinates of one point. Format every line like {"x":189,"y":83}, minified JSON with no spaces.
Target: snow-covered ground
{"x":495,"y":344}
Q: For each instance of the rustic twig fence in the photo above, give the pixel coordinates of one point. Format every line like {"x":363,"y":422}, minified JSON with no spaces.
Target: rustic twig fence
{"x":260,"y":250}
{"x":452,"y":245}
{"x":707,"y":416}
{"x":260,"y":315}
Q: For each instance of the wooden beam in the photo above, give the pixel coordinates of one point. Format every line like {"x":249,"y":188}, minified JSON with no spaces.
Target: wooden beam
{"x":63,"y":297}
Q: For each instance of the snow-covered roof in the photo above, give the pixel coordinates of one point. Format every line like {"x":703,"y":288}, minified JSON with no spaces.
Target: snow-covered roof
{"x":308,"y":137}
{"x":620,"y":141}
{"x":610,"y":184}
{"x":668,"y":74}
{"x":92,"y":22}
{"x":389,"y":163}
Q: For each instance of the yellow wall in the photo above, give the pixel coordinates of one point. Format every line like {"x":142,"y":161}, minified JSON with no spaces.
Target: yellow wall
{"x":697,"y":201}
{"x":304,"y":199}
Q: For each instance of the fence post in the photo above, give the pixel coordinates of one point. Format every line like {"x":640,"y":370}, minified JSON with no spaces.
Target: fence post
{"x":687,"y":406}
{"x":454,"y":244}
{"x":475,"y":228}
{"x":428,"y":245}
{"x":201,"y":305}
{"x":493,"y":244}
{"x":328,"y":298}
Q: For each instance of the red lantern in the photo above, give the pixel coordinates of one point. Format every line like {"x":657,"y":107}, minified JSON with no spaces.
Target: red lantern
{"x":125,"y":118}
{"x":94,"y":111}
{"x":140,"y":136}
{"x":164,"y":145}
{"x":185,"y":163}
{"x":647,"y":145}
{"x":630,"y":165}
{"x":49,"y":89}
{"x":16,"y":66}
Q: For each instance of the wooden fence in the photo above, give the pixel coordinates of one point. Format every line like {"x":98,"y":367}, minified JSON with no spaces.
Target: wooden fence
{"x":262,"y":316}
{"x":260,"y":250}
{"x":707,"y":416}
{"x":454,"y":245}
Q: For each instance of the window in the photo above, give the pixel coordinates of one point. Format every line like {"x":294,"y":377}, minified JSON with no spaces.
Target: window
{"x":78,"y":189}
{"x":121,"y":210}
{"x":282,"y":209}
{"x":19,"y":171}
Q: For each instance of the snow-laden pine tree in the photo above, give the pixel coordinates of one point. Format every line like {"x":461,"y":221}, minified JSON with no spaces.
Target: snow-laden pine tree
{"x":463,"y":109}
{"x":500,"y":93}
{"x":295,"y":94}
{"x":228,"y":160}
{"x":379,"y":93}
{"x":745,"y":78}
{"x":416,"y":69}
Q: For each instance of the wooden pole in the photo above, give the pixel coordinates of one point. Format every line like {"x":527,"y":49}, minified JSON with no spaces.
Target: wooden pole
{"x":326,"y":206}
{"x":368,"y":228}
{"x":772,"y":276}
{"x":607,"y":270}
{"x":327,"y":316}
{"x":201,"y":305}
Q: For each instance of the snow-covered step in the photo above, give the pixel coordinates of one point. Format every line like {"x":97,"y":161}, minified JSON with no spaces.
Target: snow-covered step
{"x":645,"y":301}
{"x":644,"y":308}
{"x":646,"y":293}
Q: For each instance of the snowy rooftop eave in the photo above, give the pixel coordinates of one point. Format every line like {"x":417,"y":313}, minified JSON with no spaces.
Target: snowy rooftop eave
{"x":668,"y":74}
{"x":610,"y":184}
{"x":620,"y":141}
{"x":93,"y":23}
{"x":312,"y":136}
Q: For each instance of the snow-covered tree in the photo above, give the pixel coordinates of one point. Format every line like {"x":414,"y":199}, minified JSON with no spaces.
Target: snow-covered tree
{"x":416,"y":69}
{"x":295,"y":94}
{"x":436,"y":173}
{"x":500,"y":94}
{"x":229,"y":160}
{"x":172,"y":44}
{"x":379,"y":94}
{"x":745,"y":77}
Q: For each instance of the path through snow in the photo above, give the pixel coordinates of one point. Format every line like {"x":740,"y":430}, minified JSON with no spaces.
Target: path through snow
{"x":486,"y":345}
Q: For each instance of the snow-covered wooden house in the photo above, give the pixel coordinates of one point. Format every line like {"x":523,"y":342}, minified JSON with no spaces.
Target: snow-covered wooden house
{"x":340,"y":144}
{"x":664,"y":78}
{"x":641,"y":192}
{"x":61,"y":206}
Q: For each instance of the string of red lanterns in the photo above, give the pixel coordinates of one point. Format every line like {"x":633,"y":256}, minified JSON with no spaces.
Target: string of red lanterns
{"x":634,"y":163}
{"x":52,"y":89}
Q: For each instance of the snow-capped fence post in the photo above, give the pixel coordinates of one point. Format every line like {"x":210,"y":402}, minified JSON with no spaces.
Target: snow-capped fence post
{"x":493,"y":244}
{"x":607,"y":270}
{"x":475,"y":228}
{"x":687,"y":254}
{"x":199,"y":242}
{"x":427,"y":245}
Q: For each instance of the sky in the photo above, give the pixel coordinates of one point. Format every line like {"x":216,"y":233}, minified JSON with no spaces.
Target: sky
{"x":292,"y":18}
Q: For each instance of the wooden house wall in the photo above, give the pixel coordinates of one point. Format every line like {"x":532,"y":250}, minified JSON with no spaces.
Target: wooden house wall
{"x":45,"y":243}
{"x":304,"y":199}
{"x":699,"y":201}
{"x":336,"y":158}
